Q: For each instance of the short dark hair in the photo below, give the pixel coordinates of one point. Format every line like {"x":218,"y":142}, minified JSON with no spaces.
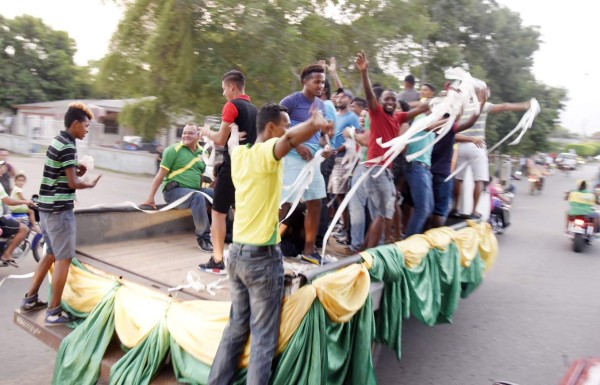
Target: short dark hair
{"x":77,"y":112}
{"x":430,"y":86}
{"x":410,"y":79}
{"x":404,"y":106}
{"x":235,"y":77}
{"x":378,"y":91}
{"x":360,"y":101}
{"x":311,"y":69}
{"x":327,"y":89}
{"x":270,"y":112}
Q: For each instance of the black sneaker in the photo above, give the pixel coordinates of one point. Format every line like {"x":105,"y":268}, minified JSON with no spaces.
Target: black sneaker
{"x":213,"y":267}
{"x":205,"y":244}
{"x":58,"y":317}
{"x":32,"y":303}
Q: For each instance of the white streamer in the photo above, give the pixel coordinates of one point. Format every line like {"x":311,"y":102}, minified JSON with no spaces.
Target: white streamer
{"x":194,"y":282}
{"x":166,"y":208}
{"x":234,"y":138}
{"x":16,"y":276}
{"x":342,"y":207}
{"x":302,"y":182}
{"x":524,"y":124}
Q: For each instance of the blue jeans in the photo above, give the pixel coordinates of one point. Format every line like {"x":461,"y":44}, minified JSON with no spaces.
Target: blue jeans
{"x":442,"y":195}
{"x":418,"y":178}
{"x":356,"y":208}
{"x":197,"y":204}
{"x":256,"y":284}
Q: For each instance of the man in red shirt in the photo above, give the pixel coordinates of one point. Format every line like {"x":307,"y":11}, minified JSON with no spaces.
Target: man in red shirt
{"x":386,"y":124}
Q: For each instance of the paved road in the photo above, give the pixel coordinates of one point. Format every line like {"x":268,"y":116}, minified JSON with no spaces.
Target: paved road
{"x":23,"y":359}
{"x":537,"y":307}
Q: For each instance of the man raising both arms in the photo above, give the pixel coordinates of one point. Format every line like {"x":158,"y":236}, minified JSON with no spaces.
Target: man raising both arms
{"x":240,"y":111}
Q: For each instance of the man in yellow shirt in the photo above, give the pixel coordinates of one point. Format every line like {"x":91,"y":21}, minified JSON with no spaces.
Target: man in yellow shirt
{"x":255,"y":267}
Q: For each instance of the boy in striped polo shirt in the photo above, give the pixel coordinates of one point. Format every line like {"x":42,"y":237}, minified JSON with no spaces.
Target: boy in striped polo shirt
{"x":57,"y":192}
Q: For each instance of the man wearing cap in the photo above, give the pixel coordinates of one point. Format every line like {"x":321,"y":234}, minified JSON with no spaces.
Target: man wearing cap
{"x":345,"y":118}
{"x":409,"y":94}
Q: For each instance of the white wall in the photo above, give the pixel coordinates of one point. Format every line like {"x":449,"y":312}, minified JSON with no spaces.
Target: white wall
{"x":134,"y":162}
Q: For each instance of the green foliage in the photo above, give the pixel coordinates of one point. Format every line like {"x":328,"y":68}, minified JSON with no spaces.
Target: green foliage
{"x":177,"y":50}
{"x":584,"y":149}
{"x":145,"y":116}
{"x":36,"y":63}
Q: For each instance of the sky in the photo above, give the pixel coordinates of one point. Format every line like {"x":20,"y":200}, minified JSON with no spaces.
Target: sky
{"x":567,"y":57}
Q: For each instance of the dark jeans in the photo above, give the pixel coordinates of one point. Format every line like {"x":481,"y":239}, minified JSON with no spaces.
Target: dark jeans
{"x":256,"y":284}
{"x":418,"y":177}
{"x":198,"y":205}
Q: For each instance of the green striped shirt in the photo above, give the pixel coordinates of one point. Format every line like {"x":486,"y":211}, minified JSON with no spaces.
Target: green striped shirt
{"x":55,"y":193}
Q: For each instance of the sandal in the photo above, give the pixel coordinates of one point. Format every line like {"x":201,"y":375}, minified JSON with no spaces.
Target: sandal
{"x":11,"y":262}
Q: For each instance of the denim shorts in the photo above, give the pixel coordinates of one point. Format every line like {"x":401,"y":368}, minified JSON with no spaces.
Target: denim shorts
{"x":58,"y":230}
{"x":292,"y":166}
{"x":381,"y":193}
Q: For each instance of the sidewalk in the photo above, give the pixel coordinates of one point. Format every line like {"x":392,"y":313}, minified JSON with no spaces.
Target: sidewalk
{"x":112,"y":188}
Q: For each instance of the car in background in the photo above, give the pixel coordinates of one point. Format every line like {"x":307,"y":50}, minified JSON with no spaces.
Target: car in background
{"x":566,"y":161}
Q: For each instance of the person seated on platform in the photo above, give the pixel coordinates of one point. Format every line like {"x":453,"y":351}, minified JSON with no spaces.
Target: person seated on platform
{"x":180,"y":174}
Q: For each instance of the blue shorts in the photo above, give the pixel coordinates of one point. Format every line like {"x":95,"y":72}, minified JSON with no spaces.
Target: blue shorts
{"x":58,"y":230}
{"x":292,"y":166}
{"x":442,"y":195}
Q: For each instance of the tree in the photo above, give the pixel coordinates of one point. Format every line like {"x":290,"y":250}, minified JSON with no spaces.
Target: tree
{"x":177,"y":50}
{"x":36,"y":63}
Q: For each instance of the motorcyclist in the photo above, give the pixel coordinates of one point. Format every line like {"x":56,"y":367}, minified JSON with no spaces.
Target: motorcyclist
{"x":535,"y":171}
{"x":582,"y":202}
{"x":11,"y":228}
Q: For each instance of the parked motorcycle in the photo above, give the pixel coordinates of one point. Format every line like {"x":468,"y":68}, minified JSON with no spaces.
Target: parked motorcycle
{"x":581,"y":229}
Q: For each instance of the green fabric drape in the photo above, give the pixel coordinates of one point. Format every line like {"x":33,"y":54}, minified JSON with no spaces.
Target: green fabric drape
{"x":430,"y":291}
{"x":304,"y":361}
{"x":320,"y":352}
{"x":187,"y":369}
{"x":141,"y":363}
{"x":472,"y":276}
{"x":80,"y":353}
{"x":349,"y":349}
{"x":388,"y":267}
{"x":450,"y":271}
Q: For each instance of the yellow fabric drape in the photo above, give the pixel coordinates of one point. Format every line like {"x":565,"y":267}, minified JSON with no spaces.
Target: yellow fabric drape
{"x":467,"y":240}
{"x":197,"y":326}
{"x":414,"y":249}
{"x":137,"y":311}
{"x":343,"y":292}
{"x":84,"y":289}
{"x":488,"y":243}
{"x":440,"y":237}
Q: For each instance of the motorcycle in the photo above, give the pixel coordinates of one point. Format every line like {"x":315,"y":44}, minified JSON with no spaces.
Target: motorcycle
{"x":536,"y":183}
{"x":34,"y":240}
{"x":581,"y":229}
{"x":500,"y":214}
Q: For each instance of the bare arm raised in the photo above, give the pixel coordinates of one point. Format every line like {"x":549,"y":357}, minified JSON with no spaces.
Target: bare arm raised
{"x":363,"y":66}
